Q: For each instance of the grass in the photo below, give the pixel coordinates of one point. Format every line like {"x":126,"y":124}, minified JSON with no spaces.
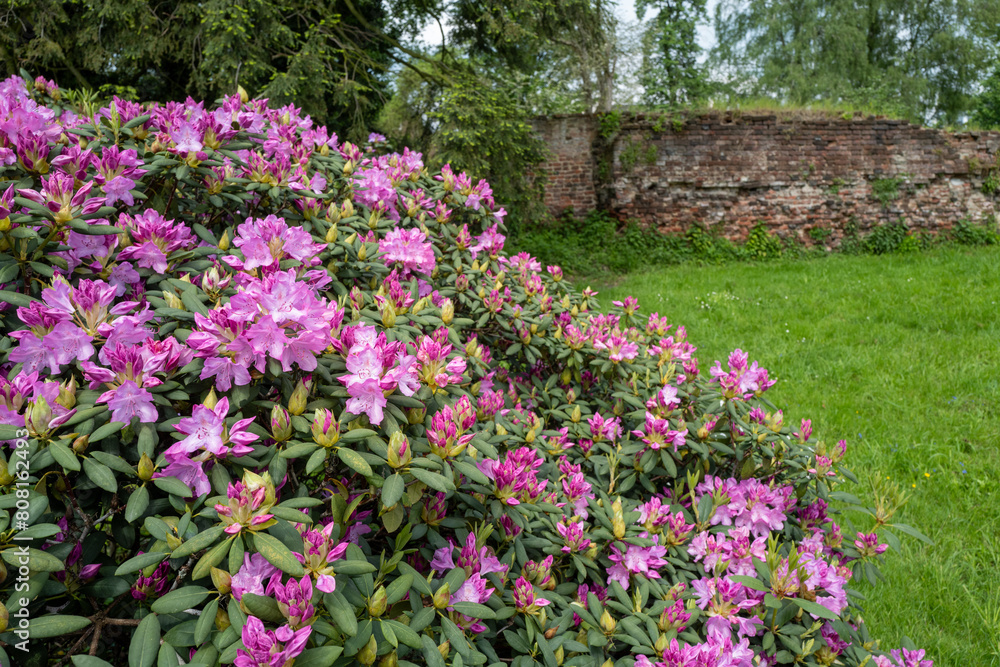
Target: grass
{"x":898,"y":354}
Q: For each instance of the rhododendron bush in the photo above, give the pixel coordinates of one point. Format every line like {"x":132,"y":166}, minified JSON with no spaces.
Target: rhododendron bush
{"x":271,"y":398}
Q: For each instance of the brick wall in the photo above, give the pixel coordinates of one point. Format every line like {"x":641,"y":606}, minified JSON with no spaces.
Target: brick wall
{"x":730,"y":172}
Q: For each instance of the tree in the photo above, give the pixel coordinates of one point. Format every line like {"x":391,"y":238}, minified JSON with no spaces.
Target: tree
{"x":922,"y":56}
{"x":671,"y":74}
{"x":330,"y":57}
{"x":986,"y":113}
{"x":571,"y":43}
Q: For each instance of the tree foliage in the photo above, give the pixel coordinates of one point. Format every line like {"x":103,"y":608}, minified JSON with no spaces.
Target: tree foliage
{"x":923,"y":56}
{"x":329,"y":57}
{"x":671,"y":74}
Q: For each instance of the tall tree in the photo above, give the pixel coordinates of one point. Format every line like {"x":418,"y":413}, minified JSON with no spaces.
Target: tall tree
{"x":329,"y":56}
{"x":921,"y":56}
{"x":671,"y":74}
{"x":571,"y":42}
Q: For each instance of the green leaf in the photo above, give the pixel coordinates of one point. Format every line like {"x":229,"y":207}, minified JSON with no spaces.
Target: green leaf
{"x":277,"y":554}
{"x":38,"y":560}
{"x":354,"y":461}
{"x":471,"y":472}
{"x":815,"y":608}
{"x":63,"y":455}
{"x":202,"y":540}
{"x":106,"y":430}
{"x":53,"y":626}
{"x":473,"y":610}
{"x":40,"y":530}
{"x":392,"y":490}
{"x":173,"y":486}
{"x":323,"y":656}
{"x":145,"y":642}
{"x":90,"y":661}
{"x":179,"y":600}
{"x":433,"y":480}
{"x":354,"y":567}
{"x":431,"y":653}
{"x":100,"y":475}
{"x":404,"y":633}
{"x":140,"y":562}
{"x":8,"y":432}
{"x":137,"y":504}
{"x":398,"y":588}
{"x":357,"y":434}
{"x":341,"y":613}
{"x":263,"y":607}
{"x":290,"y":514}
{"x":16,"y":299}
{"x":912,"y":532}
{"x":211,"y":559}
{"x":206,"y":622}
{"x":750,"y":582}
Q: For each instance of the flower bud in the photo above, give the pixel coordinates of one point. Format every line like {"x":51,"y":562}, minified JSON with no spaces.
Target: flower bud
{"x":81,"y":443}
{"x":378,"y":602}
{"x":173,"y":301}
{"x":222,"y":621}
{"x":362,"y":253}
{"x":38,"y":416}
{"x":389,"y":660}
{"x":146,"y":468}
{"x":347,"y":210}
{"x":444,"y":649}
{"x":5,"y":224}
{"x":367,"y":655}
{"x":442,"y":597}
{"x":388,"y":313}
{"x":281,"y":425}
{"x":618,"y":519}
{"x":67,"y":394}
{"x":608,"y":623}
{"x":447,"y":311}
{"x":325,"y":429}
{"x":222,"y":580}
{"x":4,"y":618}
{"x":224,"y":241}
{"x":333,"y":233}
{"x":661,"y":643}
{"x":575,"y":415}
{"x":560,"y":654}
{"x":400,"y":453}
{"x":297,"y":403}
{"x":416,"y":415}
{"x":5,"y":477}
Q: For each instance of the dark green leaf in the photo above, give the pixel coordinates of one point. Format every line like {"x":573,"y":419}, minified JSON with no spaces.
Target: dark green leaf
{"x":140,"y":562}
{"x":145,"y":642}
{"x":179,"y":600}
{"x":44,"y":627}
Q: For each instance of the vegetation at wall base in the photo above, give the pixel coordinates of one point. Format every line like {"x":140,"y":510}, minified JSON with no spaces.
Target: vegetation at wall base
{"x":597,"y":243}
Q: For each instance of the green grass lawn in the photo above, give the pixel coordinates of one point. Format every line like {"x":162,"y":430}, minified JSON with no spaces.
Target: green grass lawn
{"x":899,"y":355}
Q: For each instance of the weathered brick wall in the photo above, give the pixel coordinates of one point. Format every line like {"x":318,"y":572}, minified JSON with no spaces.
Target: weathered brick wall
{"x":730,"y":172}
